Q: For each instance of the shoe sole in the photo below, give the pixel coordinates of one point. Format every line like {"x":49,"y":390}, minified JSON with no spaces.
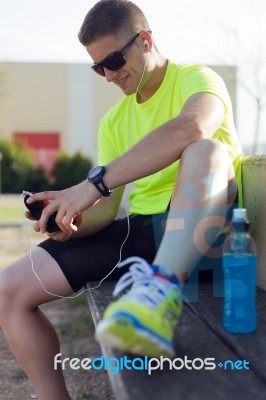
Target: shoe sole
{"x":121,"y":333}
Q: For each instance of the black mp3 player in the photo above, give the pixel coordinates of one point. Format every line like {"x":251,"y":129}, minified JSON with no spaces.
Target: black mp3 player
{"x":36,"y":209}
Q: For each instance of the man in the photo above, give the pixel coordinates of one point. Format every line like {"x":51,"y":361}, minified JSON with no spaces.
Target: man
{"x":173,"y":136}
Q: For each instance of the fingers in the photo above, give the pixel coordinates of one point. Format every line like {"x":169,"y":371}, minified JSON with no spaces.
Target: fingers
{"x":49,"y":209}
{"x":62,"y":236}
{"x":67,"y":205}
{"x":78,"y":220}
{"x":42,"y":196}
{"x":36,"y":226}
{"x":29,"y":216}
{"x":51,"y":202}
{"x":68,"y":226}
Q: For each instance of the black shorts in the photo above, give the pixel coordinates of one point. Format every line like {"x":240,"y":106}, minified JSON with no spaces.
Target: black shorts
{"x":91,"y":258}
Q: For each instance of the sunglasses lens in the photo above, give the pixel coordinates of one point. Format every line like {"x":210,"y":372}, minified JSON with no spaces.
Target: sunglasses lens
{"x":98,"y":69}
{"x":112,"y":62}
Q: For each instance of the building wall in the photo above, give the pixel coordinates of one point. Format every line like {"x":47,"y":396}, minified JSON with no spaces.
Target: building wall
{"x":80,"y":110}
{"x":105,"y":95}
{"x":36,"y":99}
{"x":65,"y":98}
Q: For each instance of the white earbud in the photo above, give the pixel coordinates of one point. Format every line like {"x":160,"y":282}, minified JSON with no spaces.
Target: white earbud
{"x":146,"y":44}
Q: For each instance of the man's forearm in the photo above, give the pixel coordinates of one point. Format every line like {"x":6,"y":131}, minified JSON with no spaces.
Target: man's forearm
{"x":100,"y":215}
{"x":156,"y":151}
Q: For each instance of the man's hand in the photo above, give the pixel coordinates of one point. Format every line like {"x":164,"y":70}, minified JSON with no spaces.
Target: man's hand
{"x":68,"y":204}
{"x":59,"y":235}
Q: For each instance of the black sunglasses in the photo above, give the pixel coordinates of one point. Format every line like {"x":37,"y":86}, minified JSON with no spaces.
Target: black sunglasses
{"x":115,"y":60}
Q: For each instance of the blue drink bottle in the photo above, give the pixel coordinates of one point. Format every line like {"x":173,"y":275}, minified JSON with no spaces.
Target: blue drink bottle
{"x":239,"y":266}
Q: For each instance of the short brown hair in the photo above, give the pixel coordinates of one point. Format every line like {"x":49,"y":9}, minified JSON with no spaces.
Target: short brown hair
{"x":112,"y":17}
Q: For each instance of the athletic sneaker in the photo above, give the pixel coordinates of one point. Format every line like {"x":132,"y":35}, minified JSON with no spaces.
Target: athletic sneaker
{"x":143,"y":320}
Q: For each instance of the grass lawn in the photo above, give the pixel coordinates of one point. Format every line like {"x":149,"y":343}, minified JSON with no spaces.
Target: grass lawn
{"x":10,"y":208}
{"x":10,"y":213}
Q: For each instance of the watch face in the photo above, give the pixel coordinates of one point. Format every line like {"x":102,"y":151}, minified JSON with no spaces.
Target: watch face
{"x":95,"y":176}
{"x":94,"y":172}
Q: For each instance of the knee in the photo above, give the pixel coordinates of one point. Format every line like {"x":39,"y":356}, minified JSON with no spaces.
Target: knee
{"x":205,"y":147}
{"x":205,"y":150}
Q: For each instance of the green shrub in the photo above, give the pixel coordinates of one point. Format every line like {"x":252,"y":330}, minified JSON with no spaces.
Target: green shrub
{"x":18,"y":172}
{"x":70,"y":170}
{"x":37,"y":180}
{"x":15,"y":165}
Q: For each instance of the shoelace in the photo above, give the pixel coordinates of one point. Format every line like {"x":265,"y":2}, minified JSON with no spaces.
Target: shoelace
{"x":147,"y":288}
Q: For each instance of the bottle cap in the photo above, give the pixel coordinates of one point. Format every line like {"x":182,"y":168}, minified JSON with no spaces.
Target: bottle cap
{"x":239,"y":214}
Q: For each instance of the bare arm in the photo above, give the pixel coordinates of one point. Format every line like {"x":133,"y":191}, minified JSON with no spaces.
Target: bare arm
{"x":101,"y":214}
{"x":201,"y":116}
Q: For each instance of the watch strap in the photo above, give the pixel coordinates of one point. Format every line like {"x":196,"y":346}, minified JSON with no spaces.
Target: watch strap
{"x":102,"y":188}
{"x":96,"y":178}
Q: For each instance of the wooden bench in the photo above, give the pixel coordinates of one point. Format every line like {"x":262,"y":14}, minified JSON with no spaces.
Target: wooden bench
{"x":240,"y":360}
{"x":198,"y":335}
{"x":254,"y":193}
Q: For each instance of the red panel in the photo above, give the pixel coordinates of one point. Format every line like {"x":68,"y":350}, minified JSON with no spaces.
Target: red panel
{"x":36,"y":140}
{"x":44,"y":146}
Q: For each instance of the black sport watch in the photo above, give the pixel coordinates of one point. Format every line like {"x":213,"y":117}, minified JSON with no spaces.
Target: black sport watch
{"x":95,"y":176}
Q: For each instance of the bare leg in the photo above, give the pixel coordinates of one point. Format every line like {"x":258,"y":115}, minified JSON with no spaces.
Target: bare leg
{"x":200,"y":201}
{"x":30,"y":335}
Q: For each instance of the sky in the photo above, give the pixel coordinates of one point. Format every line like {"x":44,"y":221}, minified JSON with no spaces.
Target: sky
{"x":212,"y":32}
